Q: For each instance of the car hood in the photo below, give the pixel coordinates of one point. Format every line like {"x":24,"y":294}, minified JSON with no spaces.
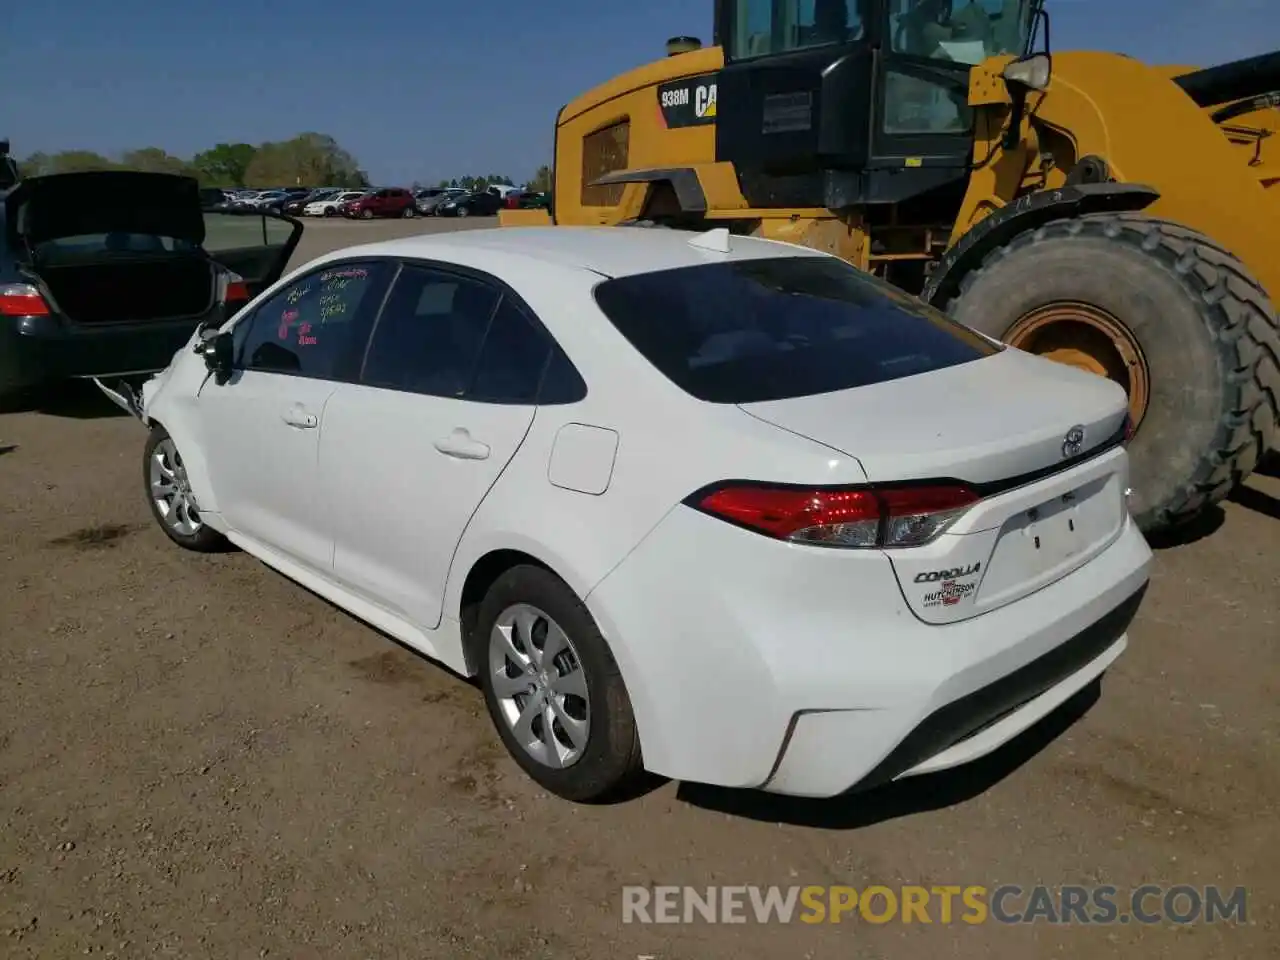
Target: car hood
{"x":107,"y":201}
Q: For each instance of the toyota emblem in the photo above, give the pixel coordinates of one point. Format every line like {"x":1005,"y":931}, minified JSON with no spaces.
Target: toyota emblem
{"x":1073,"y":442}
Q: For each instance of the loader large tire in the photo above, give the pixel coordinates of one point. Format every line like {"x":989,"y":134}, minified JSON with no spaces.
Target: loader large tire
{"x":1203,"y":344}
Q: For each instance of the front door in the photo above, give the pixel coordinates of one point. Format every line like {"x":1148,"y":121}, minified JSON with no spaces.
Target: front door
{"x":262,"y":427}
{"x":408,"y":453}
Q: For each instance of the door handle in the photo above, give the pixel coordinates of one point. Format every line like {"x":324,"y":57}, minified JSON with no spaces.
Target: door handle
{"x":460,"y":446}
{"x":298,"y":417}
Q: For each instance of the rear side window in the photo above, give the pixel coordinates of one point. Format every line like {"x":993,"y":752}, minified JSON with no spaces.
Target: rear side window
{"x":769,"y":329}
{"x":428,"y":337}
{"x":513,"y":359}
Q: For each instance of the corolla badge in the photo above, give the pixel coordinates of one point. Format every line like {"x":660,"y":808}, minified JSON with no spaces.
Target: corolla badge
{"x":1073,"y":442}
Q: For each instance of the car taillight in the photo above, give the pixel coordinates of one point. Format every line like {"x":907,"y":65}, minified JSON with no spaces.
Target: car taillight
{"x":876,"y":517}
{"x":22,"y":300}
{"x":236,"y":291}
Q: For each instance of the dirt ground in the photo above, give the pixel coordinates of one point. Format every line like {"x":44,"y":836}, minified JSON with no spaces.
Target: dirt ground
{"x":200,"y":759}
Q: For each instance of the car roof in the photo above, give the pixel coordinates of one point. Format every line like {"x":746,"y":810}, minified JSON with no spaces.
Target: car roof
{"x":609,"y":251}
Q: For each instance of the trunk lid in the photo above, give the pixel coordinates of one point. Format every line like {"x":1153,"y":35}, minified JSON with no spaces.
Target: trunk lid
{"x":1036,"y":440}
{"x":65,"y":205}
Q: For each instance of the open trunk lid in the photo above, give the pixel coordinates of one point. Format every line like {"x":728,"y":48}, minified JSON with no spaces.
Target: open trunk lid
{"x":58,"y":206}
{"x":1038,"y":442}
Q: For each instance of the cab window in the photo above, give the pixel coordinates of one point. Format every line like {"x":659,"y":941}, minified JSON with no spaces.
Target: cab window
{"x":962,"y":31}
{"x":763,"y":27}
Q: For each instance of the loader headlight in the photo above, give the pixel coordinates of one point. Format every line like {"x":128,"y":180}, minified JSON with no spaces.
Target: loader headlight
{"x":1033,"y":71}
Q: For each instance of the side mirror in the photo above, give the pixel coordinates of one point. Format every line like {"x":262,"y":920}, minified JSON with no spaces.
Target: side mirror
{"x":218,"y":351}
{"x":1033,"y":72}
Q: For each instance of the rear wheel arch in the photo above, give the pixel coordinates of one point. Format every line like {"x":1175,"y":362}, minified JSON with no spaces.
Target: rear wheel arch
{"x":482,"y":575}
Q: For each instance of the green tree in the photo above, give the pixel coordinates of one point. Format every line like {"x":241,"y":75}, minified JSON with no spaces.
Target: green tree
{"x":543,"y":180}
{"x":154,"y":160}
{"x":66,"y":161}
{"x":308,"y":160}
{"x":224,"y":165}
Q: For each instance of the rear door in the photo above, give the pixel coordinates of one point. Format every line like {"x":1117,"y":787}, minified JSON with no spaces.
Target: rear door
{"x":255,"y":245}
{"x":407,"y":454}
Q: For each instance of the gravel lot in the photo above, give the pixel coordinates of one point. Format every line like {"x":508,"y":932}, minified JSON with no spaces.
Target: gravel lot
{"x":200,"y":759}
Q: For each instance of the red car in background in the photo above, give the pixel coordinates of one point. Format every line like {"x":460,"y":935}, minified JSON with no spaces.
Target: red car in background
{"x":387,"y":202}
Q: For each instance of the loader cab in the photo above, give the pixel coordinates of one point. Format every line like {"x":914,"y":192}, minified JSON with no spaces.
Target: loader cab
{"x":836,"y":103}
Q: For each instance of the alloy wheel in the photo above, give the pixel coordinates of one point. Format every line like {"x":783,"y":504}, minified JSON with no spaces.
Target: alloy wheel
{"x":171,"y":491}
{"x":539,"y":685}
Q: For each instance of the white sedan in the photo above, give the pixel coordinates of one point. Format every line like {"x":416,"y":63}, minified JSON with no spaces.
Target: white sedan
{"x":330,"y":206}
{"x":724,"y":509}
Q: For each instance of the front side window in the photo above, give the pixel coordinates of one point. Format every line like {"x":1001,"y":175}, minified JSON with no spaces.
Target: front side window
{"x":314,"y":326}
{"x":917,"y":105}
{"x":961,"y":31}
{"x":770,"y":329}
{"x":763,"y":27}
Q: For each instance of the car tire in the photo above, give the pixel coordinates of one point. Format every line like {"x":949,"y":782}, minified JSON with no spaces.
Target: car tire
{"x":1205,"y":329}
{"x":409,"y":213}
{"x":179,"y":518}
{"x":330,"y":212}
{"x":366,"y":214}
{"x":597,"y":763}
{"x":463,"y":212}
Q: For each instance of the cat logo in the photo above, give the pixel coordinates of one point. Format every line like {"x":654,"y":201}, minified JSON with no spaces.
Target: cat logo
{"x":689,"y":102}
{"x":704,"y":101}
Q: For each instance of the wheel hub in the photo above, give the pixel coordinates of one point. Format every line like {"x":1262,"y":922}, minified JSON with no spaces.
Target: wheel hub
{"x":539,"y":685}
{"x":171,"y":490}
{"x":1087,"y":337}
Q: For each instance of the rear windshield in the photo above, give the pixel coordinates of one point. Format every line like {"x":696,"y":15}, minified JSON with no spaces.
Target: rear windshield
{"x":755,"y":330}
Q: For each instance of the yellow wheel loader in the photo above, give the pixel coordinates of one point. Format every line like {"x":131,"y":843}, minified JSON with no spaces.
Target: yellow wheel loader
{"x":1099,"y":211}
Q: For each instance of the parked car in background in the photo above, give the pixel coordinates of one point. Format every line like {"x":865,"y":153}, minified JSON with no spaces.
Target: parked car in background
{"x":466,"y":439}
{"x":271,"y":201}
{"x":215,"y":198}
{"x":526,"y":200}
{"x":386,"y":202}
{"x":331,"y":206}
{"x":106,"y":274}
{"x":297,"y":206}
{"x":427,"y":200}
{"x":471,"y":205}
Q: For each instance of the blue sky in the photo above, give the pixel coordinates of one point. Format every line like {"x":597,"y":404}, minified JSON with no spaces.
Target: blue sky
{"x":422,"y":90}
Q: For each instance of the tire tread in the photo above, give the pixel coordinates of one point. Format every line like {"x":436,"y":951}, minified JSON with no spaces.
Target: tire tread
{"x":1244,"y":325}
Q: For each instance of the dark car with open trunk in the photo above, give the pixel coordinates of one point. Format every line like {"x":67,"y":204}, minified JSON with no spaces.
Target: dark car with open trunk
{"x":108,"y":274}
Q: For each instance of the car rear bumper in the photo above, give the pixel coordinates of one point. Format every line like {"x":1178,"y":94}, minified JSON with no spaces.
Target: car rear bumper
{"x":36,"y":350}
{"x":801,"y":670}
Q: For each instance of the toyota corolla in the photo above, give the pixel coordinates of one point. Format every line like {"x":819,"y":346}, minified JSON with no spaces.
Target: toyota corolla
{"x":721,"y":508}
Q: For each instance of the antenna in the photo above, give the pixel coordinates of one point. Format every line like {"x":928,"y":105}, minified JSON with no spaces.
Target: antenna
{"x":716,"y":240}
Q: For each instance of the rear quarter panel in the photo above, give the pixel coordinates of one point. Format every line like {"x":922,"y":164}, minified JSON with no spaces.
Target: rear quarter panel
{"x":669,"y":446}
